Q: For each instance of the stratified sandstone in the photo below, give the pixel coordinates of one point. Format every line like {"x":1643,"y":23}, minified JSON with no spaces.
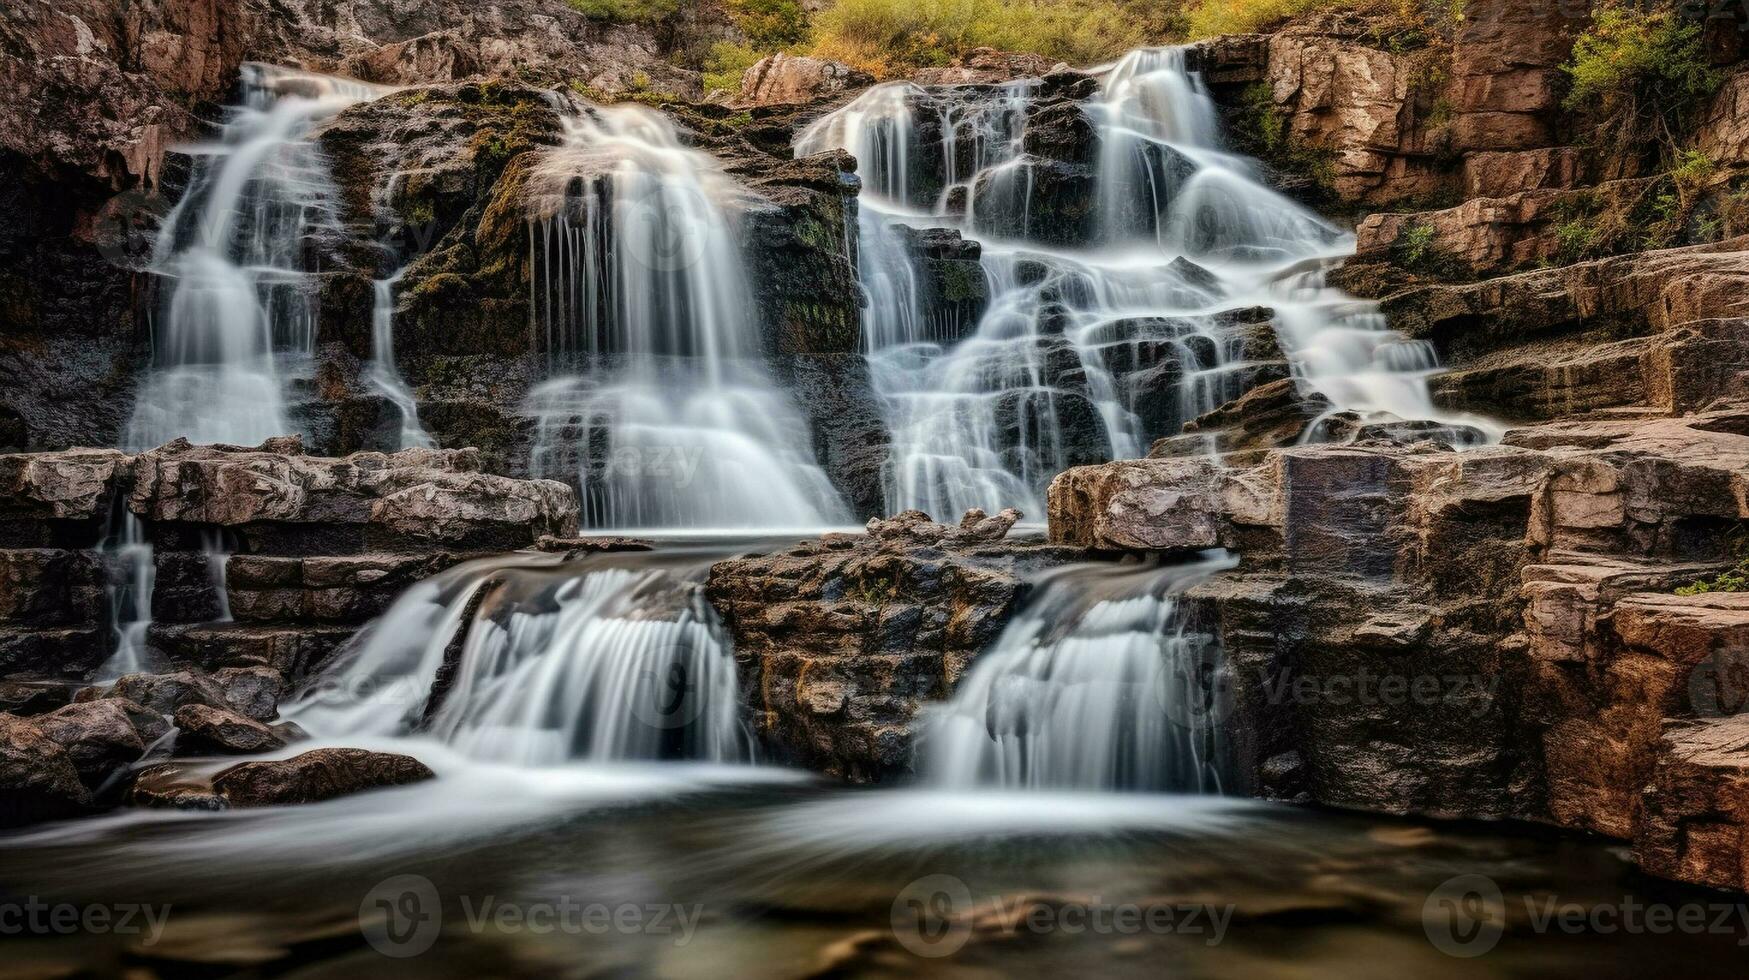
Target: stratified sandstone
{"x":1527,"y":586}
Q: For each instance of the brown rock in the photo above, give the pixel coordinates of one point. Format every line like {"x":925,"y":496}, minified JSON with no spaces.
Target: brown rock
{"x":215,"y":730}
{"x":780,"y":78}
{"x":1696,"y":825}
{"x":38,"y":780}
{"x":322,"y":774}
{"x":99,"y":736}
{"x":254,"y":692}
{"x":840,"y":641}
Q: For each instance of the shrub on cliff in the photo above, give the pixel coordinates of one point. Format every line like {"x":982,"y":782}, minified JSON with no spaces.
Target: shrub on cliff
{"x":886,"y":37}
{"x":1639,"y":74}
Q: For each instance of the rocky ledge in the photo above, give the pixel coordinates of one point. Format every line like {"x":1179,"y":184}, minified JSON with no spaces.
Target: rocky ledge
{"x":840,"y":641}
{"x":244,"y":569}
{"x":1514,"y":609}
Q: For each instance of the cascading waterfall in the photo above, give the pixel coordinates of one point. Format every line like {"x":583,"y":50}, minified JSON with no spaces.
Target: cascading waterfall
{"x":637,"y":280}
{"x":525,"y":661}
{"x":236,"y":258}
{"x":131,"y":574}
{"x":1088,"y":350}
{"x":383,"y":373}
{"x":1101,"y":683}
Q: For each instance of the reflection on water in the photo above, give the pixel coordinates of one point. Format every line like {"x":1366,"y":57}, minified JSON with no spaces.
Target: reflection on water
{"x":688,"y":871}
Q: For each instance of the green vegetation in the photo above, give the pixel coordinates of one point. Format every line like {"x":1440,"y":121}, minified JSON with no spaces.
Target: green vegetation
{"x":886,"y":37}
{"x":1260,"y":129}
{"x":1418,"y":248}
{"x":1640,"y":74}
{"x":1732,"y":579}
{"x":1212,"y":17}
{"x":627,"y":11}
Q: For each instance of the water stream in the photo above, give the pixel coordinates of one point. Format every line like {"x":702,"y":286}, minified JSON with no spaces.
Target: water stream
{"x":237,"y":260}
{"x":659,"y":407}
{"x":1095,"y":341}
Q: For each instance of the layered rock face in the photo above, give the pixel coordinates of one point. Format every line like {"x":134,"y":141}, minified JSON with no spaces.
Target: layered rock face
{"x":841,"y":641}
{"x":248,"y":569}
{"x":100,"y":99}
{"x":1516,"y":650}
{"x":303,"y":548}
{"x":1393,"y":111}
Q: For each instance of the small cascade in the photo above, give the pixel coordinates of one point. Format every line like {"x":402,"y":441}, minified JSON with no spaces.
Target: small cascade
{"x":659,"y":408}
{"x":236,"y":259}
{"x":131,"y":574}
{"x":383,"y":373}
{"x":218,"y":555}
{"x":526,"y":661}
{"x":1098,"y":337}
{"x":1101,"y":683}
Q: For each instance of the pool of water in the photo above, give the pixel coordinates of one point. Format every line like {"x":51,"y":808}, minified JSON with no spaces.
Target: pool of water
{"x":712,"y":871}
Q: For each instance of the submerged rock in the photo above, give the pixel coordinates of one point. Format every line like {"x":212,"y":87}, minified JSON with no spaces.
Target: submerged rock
{"x":321,"y":774}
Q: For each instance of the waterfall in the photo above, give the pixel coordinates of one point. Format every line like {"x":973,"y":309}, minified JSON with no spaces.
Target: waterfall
{"x":237,"y":258}
{"x":659,"y":408}
{"x":1100,"y":683}
{"x":130,"y":573}
{"x":383,"y":373}
{"x":526,"y":661}
{"x":1096,"y":340}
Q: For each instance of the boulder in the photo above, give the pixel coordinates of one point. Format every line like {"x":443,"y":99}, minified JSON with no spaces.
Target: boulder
{"x":162,"y":693}
{"x":781,"y":78}
{"x":99,"y":736}
{"x":205,"y":730}
{"x":253,"y":692}
{"x":321,"y":774}
{"x":38,"y":780}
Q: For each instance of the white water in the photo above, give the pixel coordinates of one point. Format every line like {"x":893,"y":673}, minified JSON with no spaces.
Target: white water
{"x":131,"y":574}
{"x":1100,"y":683}
{"x":660,"y":409}
{"x":237,"y":264}
{"x":383,"y":373}
{"x":605,"y":662}
{"x":1066,"y":365}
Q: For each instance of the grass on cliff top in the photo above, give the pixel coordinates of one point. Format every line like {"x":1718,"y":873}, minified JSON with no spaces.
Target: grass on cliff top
{"x":626,"y":11}
{"x":889,"y":37}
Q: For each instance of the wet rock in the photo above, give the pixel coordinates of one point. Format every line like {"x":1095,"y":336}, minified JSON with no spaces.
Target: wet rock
{"x":38,"y":780}
{"x":841,"y":640}
{"x":99,"y":736}
{"x":322,"y":774}
{"x":25,"y":697}
{"x":1529,"y":585}
{"x":781,"y":78}
{"x":204,"y":730}
{"x":174,"y":786}
{"x":162,"y":693}
{"x":253,"y":692}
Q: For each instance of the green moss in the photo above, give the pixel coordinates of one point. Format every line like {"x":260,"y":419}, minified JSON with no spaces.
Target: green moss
{"x":1261,"y":129}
